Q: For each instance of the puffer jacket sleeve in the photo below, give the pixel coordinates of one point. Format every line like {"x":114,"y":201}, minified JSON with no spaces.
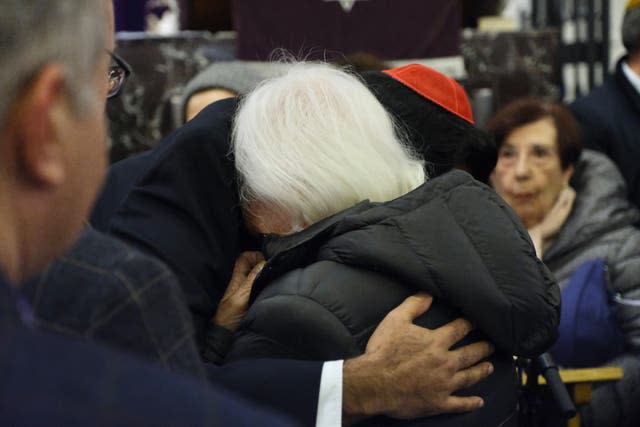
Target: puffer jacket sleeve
{"x":526,"y":292}
{"x":290,"y":326}
{"x":325,"y":311}
{"x":624,"y":270}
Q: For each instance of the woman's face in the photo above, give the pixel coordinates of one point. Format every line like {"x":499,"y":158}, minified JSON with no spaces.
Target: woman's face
{"x":265,"y":218}
{"x":528,"y":174}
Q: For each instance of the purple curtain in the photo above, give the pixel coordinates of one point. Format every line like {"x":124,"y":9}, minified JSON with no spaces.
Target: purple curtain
{"x":390,"y":29}
{"x":130,"y":14}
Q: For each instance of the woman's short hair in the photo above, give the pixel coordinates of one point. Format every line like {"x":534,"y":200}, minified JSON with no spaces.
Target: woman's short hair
{"x":525,"y":111}
{"x":316,"y":141}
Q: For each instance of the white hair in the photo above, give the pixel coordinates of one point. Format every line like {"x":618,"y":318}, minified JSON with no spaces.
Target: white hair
{"x":34,"y":33}
{"x":316,"y":141}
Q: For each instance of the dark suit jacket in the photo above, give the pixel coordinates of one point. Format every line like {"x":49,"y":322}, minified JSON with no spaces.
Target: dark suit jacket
{"x":610,"y":121}
{"x":50,"y":380}
{"x":104,"y":290}
{"x":179,"y":202}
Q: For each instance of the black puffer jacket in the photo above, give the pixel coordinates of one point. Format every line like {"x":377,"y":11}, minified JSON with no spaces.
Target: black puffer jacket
{"x":325,"y":289}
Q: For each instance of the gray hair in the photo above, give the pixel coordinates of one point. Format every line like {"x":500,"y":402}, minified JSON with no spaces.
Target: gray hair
{"x":631,"y":30}
{"x":316,"y":141}
{"x":34,"y":33}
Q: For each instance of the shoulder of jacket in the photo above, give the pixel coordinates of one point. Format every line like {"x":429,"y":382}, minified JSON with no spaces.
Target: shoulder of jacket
{"x":356,"y":298}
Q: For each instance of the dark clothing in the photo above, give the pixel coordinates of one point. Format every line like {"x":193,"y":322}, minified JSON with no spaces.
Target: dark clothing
{"x":120,"y":180}
{"x":52,"y":380}
{"x":325,"y":289}
{"x":106,"y":291}
{"x":179,"y":202}
{"x":601,"y":226}
{"x":610,"y":120}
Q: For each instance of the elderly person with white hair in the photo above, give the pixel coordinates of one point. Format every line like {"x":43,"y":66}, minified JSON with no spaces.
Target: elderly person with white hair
{"x":352,"y":229}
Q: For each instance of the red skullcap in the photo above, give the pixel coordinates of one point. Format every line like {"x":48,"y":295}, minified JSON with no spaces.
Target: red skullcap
{"x":436,"y":87}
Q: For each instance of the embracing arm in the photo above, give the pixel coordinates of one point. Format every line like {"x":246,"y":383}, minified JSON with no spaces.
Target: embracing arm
{"x":408,"y":371}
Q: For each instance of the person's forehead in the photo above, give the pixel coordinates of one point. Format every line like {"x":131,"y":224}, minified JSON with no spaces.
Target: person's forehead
{"x":542,"y":130}
{"x":531,"y":142}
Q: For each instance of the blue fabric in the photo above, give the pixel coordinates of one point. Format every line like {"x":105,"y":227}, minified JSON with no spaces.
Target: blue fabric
{"x":50,"y":380}
{"x":589,"y":333}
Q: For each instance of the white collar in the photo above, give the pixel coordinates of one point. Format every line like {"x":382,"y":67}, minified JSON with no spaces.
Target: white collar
{"x":631,"y":75}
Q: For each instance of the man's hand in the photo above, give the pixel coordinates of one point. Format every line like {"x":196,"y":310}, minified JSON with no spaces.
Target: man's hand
{"x":233,"y":304}
{"x":408,"y":371}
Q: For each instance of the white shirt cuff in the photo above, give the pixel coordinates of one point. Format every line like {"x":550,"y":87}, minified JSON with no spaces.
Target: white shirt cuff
{"x":330,"y":398}
{"x":631,"y":75}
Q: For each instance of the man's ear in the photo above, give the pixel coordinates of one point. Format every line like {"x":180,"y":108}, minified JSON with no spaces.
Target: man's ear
{"x":39,"y":152}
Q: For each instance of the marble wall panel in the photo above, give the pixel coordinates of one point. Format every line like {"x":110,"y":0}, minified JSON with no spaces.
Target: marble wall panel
{"x":513,"y":65}
{"x":145,"y":111}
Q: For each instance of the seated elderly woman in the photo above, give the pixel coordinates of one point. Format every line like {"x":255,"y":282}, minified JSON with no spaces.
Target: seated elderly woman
{"x":574,"y":205}
{"x":352,"y":228}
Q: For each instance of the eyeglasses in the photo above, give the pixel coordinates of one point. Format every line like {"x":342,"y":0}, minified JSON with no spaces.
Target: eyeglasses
{"x":118,"y":74}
